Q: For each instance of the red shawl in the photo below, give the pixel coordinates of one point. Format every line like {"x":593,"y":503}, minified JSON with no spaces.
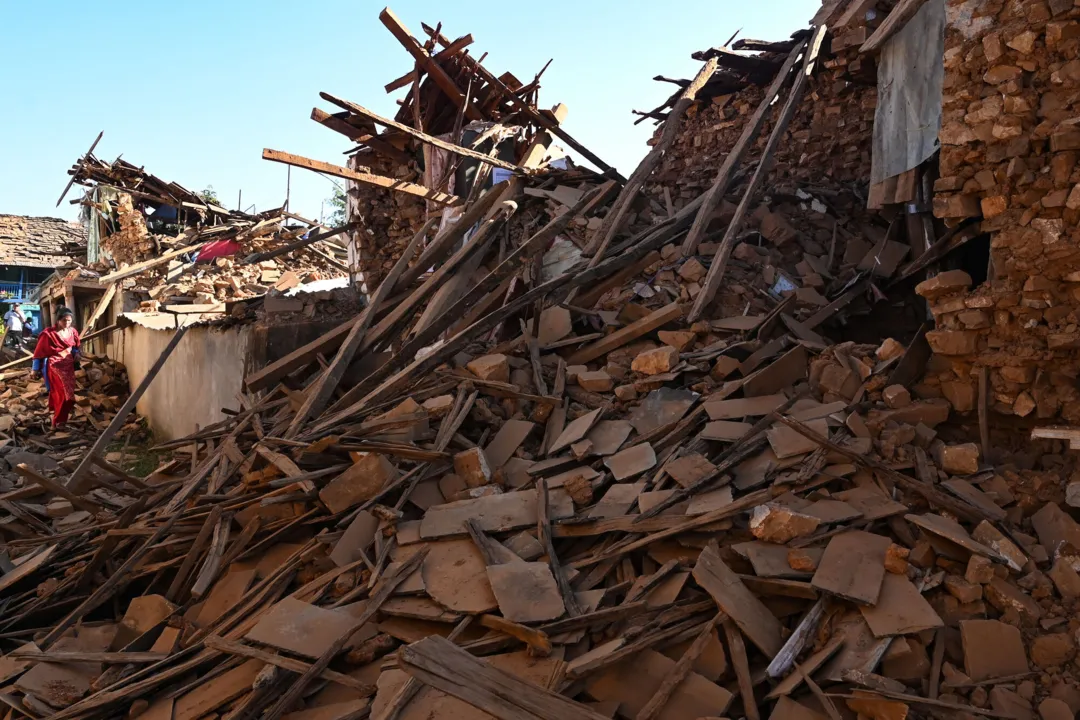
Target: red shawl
{"x":50,"y":344}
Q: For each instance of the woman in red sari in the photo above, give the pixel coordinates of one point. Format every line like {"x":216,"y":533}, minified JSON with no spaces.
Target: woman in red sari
{"x":55,"y":357}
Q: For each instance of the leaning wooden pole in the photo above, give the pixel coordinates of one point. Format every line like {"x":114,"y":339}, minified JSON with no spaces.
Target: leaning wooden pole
{"x":633,"y":186}
{"x":319,"y":394}
{"x":75,"y":482}
{"x":719,"y":264}
{"x":717,"y":190}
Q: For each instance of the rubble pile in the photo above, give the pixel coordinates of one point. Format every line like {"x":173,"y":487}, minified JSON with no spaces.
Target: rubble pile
{"x":152,"y":234}
{"x":102,"y":387}
{"x":1009,"y":156}
{"x":132,"y":242}
{"x":606,"y":449}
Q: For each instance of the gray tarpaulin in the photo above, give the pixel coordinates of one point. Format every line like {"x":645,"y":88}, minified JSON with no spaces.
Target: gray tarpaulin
{"x":910,"y":72}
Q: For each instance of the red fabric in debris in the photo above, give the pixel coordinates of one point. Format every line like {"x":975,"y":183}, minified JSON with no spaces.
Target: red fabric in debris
{"x":217,"y":248}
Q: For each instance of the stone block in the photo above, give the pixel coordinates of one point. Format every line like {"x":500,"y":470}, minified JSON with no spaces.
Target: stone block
{"x":490,"y":367}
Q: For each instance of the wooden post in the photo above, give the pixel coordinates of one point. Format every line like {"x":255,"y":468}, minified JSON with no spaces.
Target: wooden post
{"x":630,"y":191}
{"x":719,"y":264}
{"x":984,"y":414}
{"x":75,"y":482}
{"x":319,"y":394}
{"x":102,"y":306}
{"x":716,"y":191}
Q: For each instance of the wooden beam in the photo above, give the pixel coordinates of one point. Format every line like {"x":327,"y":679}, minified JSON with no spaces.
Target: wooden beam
{"x":652,"y":321}
{"x":318,"y":395}
{"x":77,"y":164}
{"x":437,"y":662}
{"x":102,"y":306}
{"x":614,"y":219}
{"x":389,"y":583}
{"x":894,"y":22}
{"x":95,"y":334}
{"x":651,"y":240}
{"x":358,"y":135}
{"x":75,"y":482}
{"x":57,"y":489}
{"x":445,"y":241}
{"x":718,"y":189}
{"x":551,"y":126}
{"x":478,"y":242}
{"x":423,"y":59}
{"x":106,"y":589}
{"x":302,"y":242}
{"x":16,"y":363}
{"x":298,"y":358}
{"x":445,"y":54}
{"x":147,"y":264}
{"x":363,"y":177}
{"x":680,"y":670}
{"x":475,"y":297}
{"x":719,"y":264}
{"x":232,"y":647}
{"x":422,"y":136}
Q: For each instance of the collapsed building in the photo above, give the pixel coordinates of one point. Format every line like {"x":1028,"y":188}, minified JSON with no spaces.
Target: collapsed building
{"x":159,"y":257}
{"x":760,"y":428}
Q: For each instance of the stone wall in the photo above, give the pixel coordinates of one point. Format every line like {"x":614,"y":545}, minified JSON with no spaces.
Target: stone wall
{"x":812,"y":204}
{"x":1009,"y":150}
{"x":827,"y":143}
{"x":388,"y":219}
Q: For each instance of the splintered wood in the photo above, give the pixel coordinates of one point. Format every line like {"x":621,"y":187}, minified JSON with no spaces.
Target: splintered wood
{"x":588,"y":447}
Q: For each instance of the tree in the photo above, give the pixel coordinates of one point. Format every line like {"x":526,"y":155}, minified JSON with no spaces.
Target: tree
{"x":209,"y":195}
{"x":337,"y":208}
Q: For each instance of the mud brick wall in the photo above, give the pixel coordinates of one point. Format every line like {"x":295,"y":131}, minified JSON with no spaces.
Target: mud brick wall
{"x":1010,"y":138}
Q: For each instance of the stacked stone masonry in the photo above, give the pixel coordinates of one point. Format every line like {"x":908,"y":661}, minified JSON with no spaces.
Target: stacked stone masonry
{"x":1010,"y":138}
{"x":815,"y":193}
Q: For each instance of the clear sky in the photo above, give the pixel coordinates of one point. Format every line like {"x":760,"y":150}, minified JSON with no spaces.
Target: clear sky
{"x":195,"y":90}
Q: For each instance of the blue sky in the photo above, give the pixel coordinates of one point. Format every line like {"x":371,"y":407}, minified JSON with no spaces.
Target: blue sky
{"x":195,"y":90}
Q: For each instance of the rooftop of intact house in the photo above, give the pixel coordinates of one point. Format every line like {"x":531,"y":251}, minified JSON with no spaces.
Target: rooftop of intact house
{"x":43,"y":242}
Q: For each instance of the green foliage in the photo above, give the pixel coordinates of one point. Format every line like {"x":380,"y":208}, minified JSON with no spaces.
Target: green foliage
{"x":337,"y":208}
{"x":209,"y":195}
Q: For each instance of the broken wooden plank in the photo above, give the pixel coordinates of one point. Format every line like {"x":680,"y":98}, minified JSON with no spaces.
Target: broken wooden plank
{"x":724,"y":175}
{"x":387,"y":183}
{"x":727,"y":244}
{"x":422,"y":136}
{"x":652,"y":321}
{"x":735,"y":599}
{"x":894,"y":22}
{"x":76,"y":482}
{"x":439,"y":663}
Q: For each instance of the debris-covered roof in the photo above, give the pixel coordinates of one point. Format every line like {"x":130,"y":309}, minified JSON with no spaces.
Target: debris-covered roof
{"x":42,"y":242}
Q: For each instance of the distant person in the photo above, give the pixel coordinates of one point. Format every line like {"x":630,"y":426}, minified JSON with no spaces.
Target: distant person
{"x":28,"y":328}
{"x":56,"y":358}
{"x":13,"y":322}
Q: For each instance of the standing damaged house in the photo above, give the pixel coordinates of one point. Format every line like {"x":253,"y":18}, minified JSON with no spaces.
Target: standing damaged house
{"x":31,"y":248}
{"x":753,"y":432}
{"x":160,"y":257}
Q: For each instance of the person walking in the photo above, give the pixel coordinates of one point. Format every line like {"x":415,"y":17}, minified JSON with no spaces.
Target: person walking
{"x":13,"y":323}
{"x":56,"y":359}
